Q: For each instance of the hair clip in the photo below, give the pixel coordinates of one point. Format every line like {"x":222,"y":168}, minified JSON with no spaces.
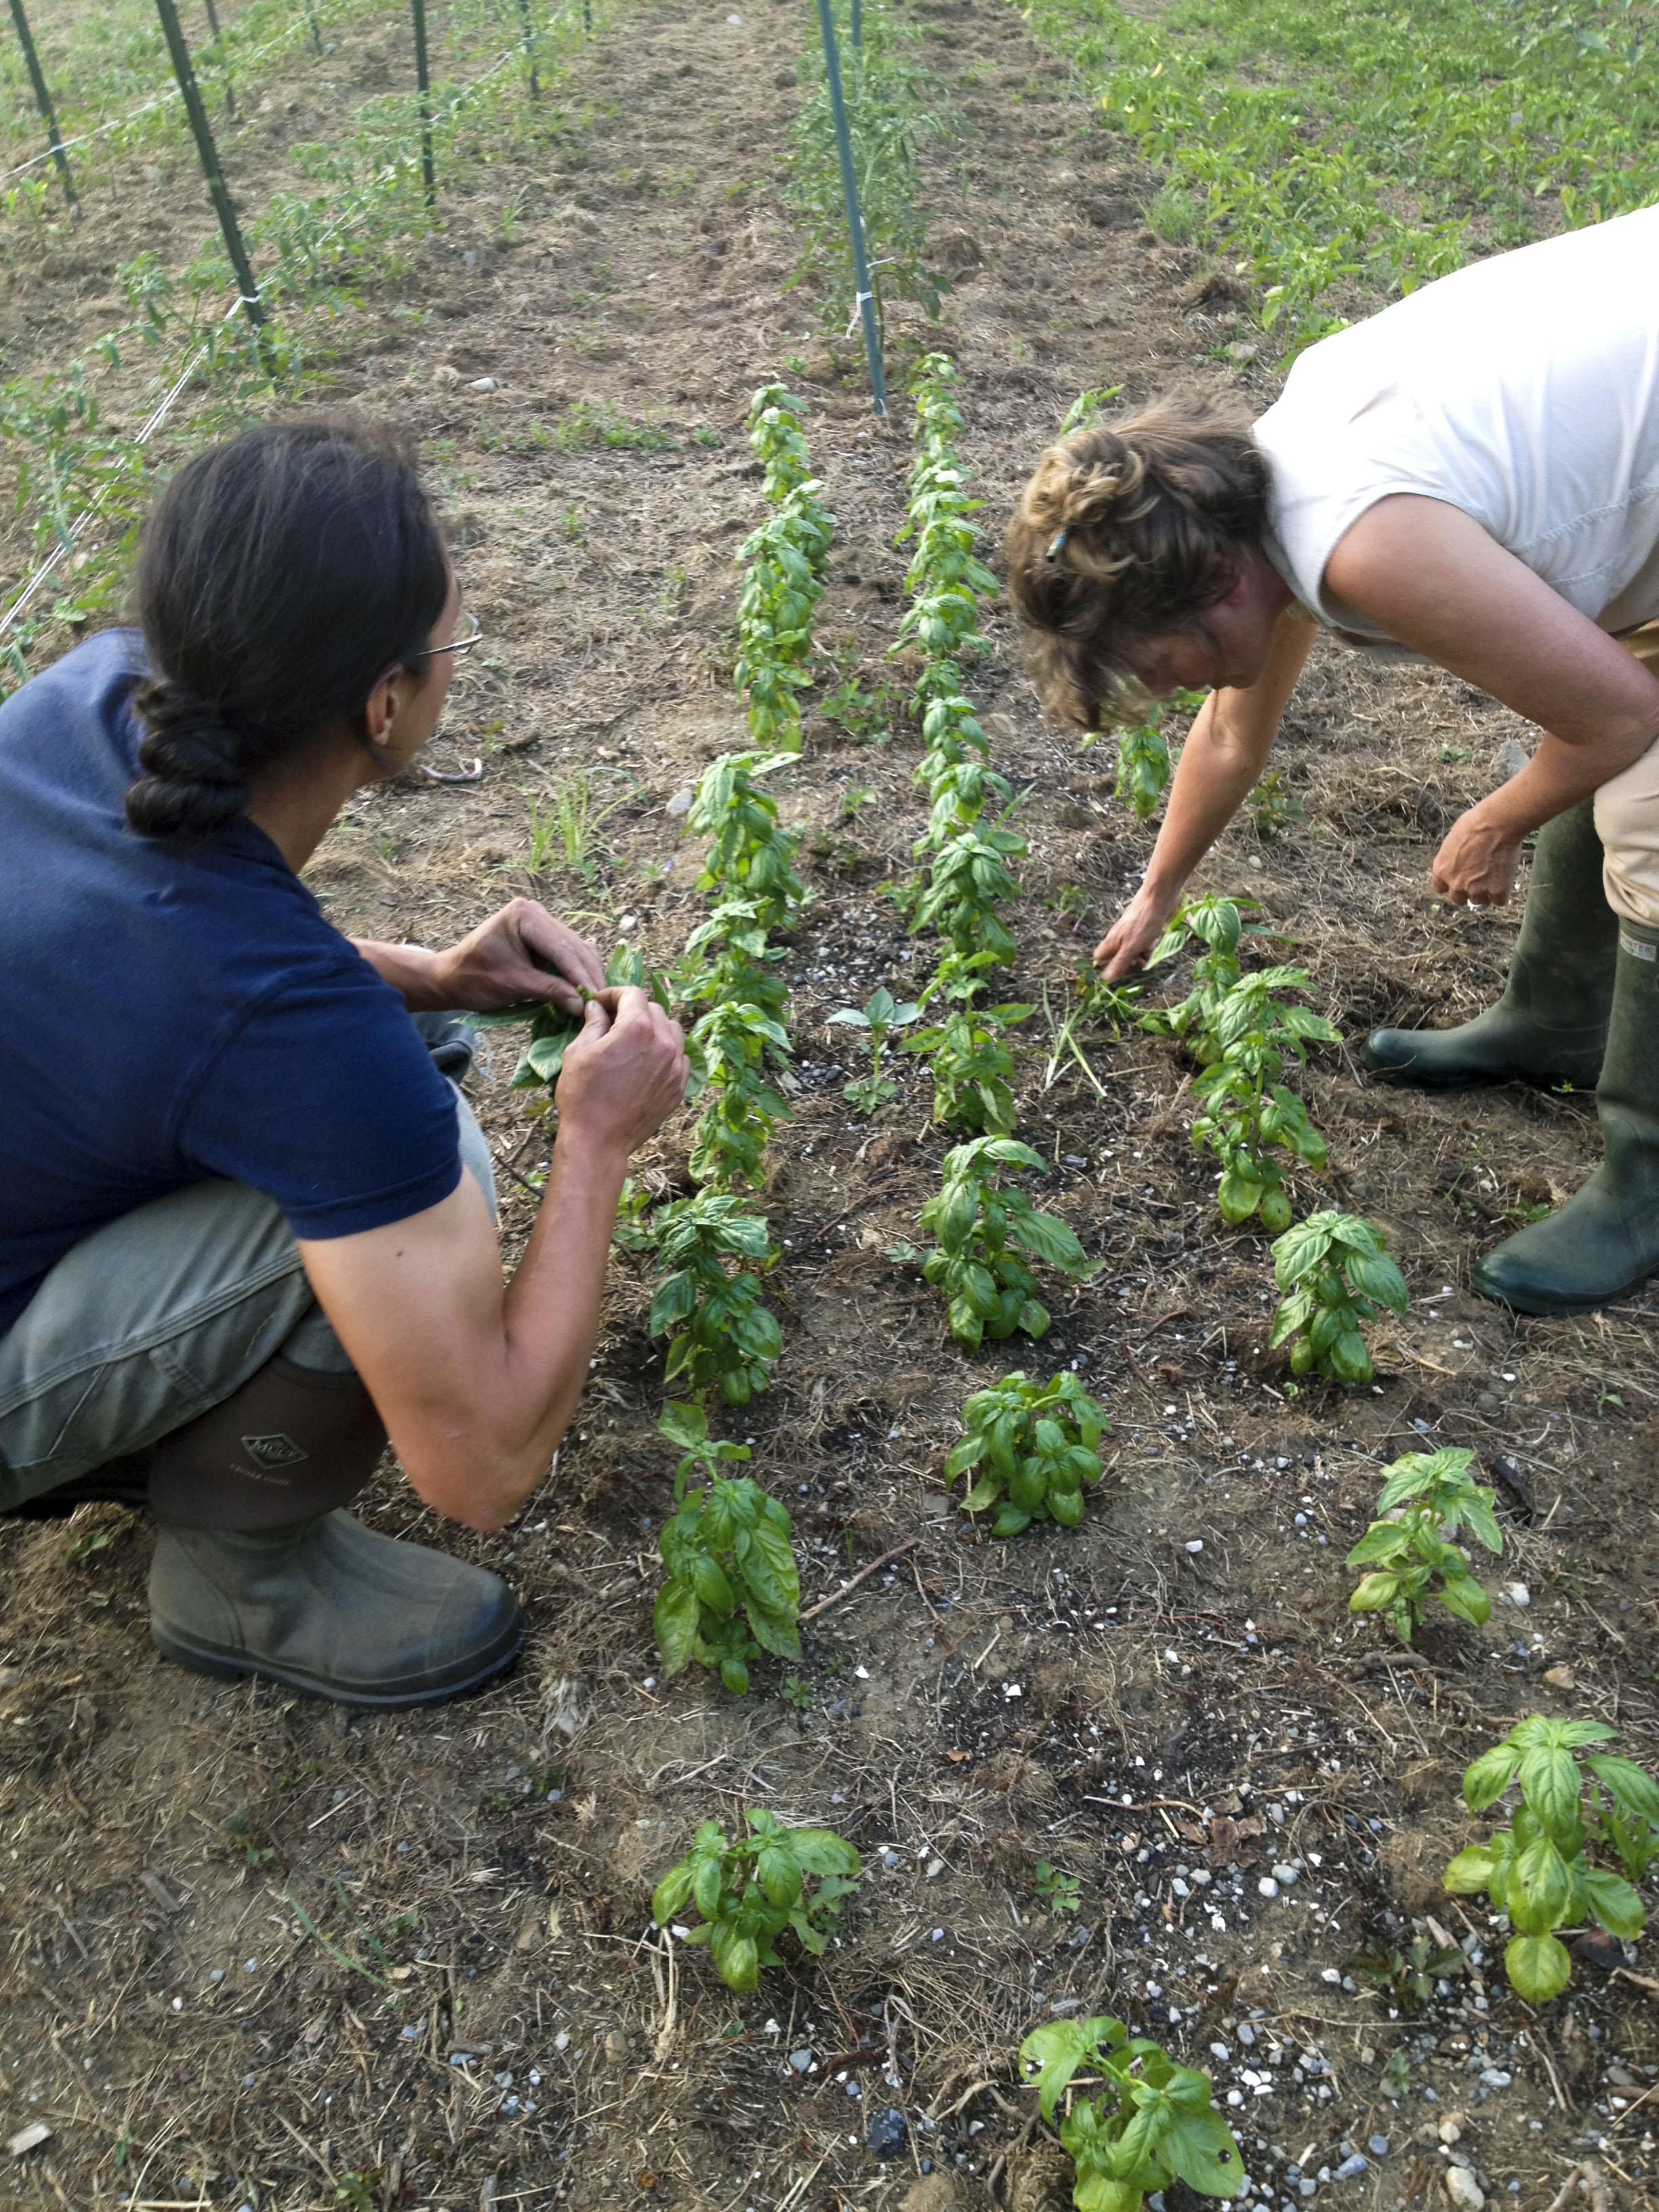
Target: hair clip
{"x":1054,"y":545}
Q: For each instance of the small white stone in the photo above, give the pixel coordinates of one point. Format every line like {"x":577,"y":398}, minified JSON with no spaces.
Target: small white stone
{"x":482,"y":384}
{"x":680,"y":803}
{"x":1464,"y":2190}
{"x":1220,"y":2050}
{"x":1286,"y":1875}
{"x":1197,"y":1543}
{"x":1519,"y":1595}
{"x":1267,"y":1887}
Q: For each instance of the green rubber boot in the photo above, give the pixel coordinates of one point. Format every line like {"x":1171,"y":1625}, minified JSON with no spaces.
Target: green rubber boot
{"x":329,"y":1608}
{"x":1605,"y":1241}
{"x":1551,"y":1024}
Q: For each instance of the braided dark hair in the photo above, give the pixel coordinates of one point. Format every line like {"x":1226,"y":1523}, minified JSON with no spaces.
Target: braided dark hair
{"x":1126,"y":531}
{"x":280,"y":577}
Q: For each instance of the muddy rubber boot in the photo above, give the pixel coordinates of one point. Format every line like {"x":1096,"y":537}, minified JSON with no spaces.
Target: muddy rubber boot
{"x":331,"y":1609}
{"x":1551,"y":1024}
{"x":1605,"y":1241}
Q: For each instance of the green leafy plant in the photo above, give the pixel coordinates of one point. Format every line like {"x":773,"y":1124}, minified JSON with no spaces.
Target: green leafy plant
{"x":741,"y":1107}
{"x":1061,"y":1893}
{"x":783,"y":566}
{"x":1337,"y":1271}
{"x":973,"y":1066}
{"x":881,"y":1016}
{"x":1031,"y":1448}
{"x":1246,"y":1111}
{"x":553,"y":1031}
{"x":749,"y":1892}
{"x":727,"y":1340}
{"x":1156,"y":2125}
{"x":732,"y":1588}
{"x":990,"y":1290}
{"x":1407,"y":1974}
{"x":1408,"y":1556}
{"x":893,"y":107}
{"x":1274,"y":807}
{"x":750,"y":857}
{"x":1537,"y":1869}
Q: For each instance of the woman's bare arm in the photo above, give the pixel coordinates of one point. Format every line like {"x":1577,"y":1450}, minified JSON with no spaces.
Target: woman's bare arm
{"x":1431,"y":576}
{"x":1224,"y":754}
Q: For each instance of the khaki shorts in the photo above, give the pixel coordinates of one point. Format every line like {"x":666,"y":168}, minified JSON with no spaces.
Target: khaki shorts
{"x":1627,"y":815}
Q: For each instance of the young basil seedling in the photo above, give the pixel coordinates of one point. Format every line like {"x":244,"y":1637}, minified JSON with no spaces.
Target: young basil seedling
{"x":1031,"y":1448}
{"x":749,"y":1892}
{"x":1408,"y":1556}
{"x":732,"y":1587}
{"x":1157,"y":2124}
{"x":1537,"y":1869}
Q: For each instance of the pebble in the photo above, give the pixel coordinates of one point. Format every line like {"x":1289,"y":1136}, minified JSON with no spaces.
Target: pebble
{"x":1197,"y":1543}
{"x":1286,"y":1875}
{"x":680,"y":803}
{"x":800,"y":2060}
{"x":1350,"y":2168}
{"x":1519,"y":1595}
{"x":1267,"y":1887}
{"x":885,"y":2133}
{"x":1378,"y":2146}
{"x":1496,"y":2077}
{"x":1220,"y":2050}
{"x":1449,"y":2132}
{"x":482,"y":384}
{"x":1464,"y":2190}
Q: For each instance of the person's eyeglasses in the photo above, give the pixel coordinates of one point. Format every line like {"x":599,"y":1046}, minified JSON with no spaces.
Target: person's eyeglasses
{"x":457,"y":645}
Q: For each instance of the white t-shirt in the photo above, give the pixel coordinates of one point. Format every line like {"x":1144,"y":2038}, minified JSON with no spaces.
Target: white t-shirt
{"x":1523,"y":389}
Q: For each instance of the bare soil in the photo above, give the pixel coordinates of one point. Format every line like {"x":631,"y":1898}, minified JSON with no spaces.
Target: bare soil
{"x":261,"y":1951}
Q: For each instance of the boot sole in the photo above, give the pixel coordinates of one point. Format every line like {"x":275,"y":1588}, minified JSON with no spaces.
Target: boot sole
{"x":230,"y":1666}
{"x":1407,"y":1079}
{"x":1549,"y":1308}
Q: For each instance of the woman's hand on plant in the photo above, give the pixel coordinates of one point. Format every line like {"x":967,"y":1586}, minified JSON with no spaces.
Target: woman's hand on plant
{"x":1127,"y":946}
{"x":521,"y":952}
{"x":625,"y":1074}
{"x":1476,"y":865}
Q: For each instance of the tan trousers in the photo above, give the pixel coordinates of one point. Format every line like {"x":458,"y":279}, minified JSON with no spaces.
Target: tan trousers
{"x":1627,"y":815}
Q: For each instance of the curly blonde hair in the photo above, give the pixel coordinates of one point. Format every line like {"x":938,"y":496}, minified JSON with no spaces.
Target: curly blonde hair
{"x":1127,"y":531}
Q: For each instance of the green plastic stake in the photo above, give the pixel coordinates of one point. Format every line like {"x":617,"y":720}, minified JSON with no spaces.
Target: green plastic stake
{"x":849,"y":187}
{"x":201,"y":131}
{"x":858,"y":22}
{"x":316,"y":33}
{"x":530,"y":49}
{"x":423,"y":80}
{"x":42,"y":101}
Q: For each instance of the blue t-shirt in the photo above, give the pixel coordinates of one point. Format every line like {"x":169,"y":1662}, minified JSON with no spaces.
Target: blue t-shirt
{"x":173,"y":1013}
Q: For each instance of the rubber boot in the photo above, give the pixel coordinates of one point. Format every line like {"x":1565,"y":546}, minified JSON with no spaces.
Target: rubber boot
{"x":331,"y":1609}
{"x":1550,"y":1026}
{"x":1605,"y":1241}
{"x":291,"y":1444}
{"x":258,"y":1571}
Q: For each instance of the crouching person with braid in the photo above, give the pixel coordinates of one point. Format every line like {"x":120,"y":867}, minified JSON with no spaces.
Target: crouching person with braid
{"x":1472,"y":478}
{"x":247,"y":1220}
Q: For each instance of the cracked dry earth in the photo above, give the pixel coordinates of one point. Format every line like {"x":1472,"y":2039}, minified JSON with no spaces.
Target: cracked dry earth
{"x":260,"y":1951}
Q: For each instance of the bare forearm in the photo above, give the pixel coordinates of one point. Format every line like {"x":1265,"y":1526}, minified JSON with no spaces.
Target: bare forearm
{"x":1558,"y":776}
{"x":1217,"y":767}
{"x":412,"y":972}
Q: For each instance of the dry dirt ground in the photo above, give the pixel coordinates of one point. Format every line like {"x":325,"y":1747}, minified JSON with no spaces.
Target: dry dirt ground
{"x":257,"y":1951}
